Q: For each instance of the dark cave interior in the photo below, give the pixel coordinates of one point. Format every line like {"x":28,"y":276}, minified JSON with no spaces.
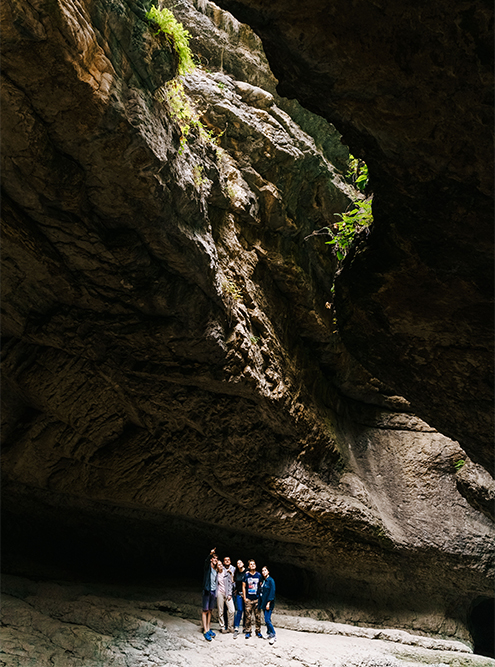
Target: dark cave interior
{"x":75,"y":544}
{"x":482,"y":626}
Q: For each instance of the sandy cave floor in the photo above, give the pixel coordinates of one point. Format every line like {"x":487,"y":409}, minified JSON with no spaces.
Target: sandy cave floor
{"x":306,"y":649}
{"x":51,"y":624}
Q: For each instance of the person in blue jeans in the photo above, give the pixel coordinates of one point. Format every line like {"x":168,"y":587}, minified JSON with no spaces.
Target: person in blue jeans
{"x":239,"y":573}
{"x":267,"y":602}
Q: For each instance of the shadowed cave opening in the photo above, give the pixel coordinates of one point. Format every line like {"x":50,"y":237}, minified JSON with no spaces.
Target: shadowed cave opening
{"x":65,"y":539}
{"x":481,"y":623}
{"x":77,"y":544}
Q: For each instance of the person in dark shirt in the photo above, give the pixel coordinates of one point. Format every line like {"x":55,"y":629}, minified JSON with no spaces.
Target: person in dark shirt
{"x":267,"y":602}
{"x":239,"y":573}
{"x":250,"y":594}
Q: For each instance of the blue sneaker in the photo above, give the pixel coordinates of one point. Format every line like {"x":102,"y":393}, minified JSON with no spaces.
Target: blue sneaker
{"x":212,"y":634}
{"x":248,"y":635}
{"x":207,"y":636}
{"x":258,"y":634}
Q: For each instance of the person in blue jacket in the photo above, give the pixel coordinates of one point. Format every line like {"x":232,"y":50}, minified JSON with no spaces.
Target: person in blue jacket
{"x":267,"y":602}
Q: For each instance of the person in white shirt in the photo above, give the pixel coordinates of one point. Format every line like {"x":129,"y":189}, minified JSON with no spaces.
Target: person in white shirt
{"x":224,"y":596}
{"x":227,"y":565}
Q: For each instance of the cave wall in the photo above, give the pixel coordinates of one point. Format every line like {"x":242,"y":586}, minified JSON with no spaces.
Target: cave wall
{"x":411,"y":89}
{"x":172,"y":371}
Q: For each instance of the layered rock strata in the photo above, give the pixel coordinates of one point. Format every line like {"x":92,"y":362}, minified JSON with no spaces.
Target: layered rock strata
{"x":172,"y":371}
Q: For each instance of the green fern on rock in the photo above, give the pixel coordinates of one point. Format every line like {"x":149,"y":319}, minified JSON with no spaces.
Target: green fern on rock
{"x":176,"y":33}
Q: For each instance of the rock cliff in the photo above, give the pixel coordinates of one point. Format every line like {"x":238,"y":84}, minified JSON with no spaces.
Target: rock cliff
{"x":411,"y":89}
{"x":173,"y":375}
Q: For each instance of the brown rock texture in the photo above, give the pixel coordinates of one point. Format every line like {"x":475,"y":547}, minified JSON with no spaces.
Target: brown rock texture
{"x":411,"y":88}
{"x":172,"y":372}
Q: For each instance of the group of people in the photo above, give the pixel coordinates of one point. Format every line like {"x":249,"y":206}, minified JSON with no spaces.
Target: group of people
{"x":243,"y":591}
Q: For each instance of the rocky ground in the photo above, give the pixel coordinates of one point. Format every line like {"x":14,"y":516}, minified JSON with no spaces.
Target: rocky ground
{"x":81,"y":625}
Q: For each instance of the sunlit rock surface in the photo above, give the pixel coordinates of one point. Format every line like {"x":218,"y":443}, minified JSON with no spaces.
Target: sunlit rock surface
{"x":173,"y":375}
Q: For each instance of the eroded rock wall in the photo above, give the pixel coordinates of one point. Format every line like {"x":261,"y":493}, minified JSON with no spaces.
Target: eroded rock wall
{"x":411,"y":88}
{"x":171,"y":367}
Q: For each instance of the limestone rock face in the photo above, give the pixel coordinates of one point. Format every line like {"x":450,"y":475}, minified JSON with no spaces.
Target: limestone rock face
{"x":172,"y":371}
{"x":411,"y":89}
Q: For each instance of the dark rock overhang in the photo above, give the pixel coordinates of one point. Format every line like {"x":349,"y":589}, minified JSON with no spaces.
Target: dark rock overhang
{"x":410,"y":86}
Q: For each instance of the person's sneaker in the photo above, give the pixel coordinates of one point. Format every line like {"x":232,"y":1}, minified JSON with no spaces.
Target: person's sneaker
{"x":236,"y":633}
{"x":248,"y":635}
{"x":212,"y":634}
{"x":223,"y":631}
{"x":258,"y":634}
{"x":207,"y":636}
{"x":273,"y":640}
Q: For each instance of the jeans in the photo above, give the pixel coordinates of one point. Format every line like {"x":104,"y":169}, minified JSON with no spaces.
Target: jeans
{"x":252,"y":606}
{"x":239,"y":605}
{"x":268,"y":621}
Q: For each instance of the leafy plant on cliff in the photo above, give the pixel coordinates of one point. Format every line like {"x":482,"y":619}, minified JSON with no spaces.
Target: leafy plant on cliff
{"x":351,"y":222}
{"x":173,"y":91}
{"x":182,"y":112}
{"x":199,"y":178}
{"x":357,"y":173}
{"x":176,"y":34}
{"x":356,"y":218}
{"x":230,"y":288}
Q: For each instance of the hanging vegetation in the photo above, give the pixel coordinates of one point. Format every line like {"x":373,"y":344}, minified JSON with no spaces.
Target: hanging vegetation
{"x":357,"y":173}
{"x":351,"y":222}
{"x":177,"y":35}
{"x":358,"y":215}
